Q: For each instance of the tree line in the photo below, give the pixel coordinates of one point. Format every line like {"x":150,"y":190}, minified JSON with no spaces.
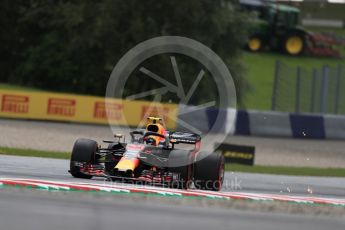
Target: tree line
{"x":72,"y":46}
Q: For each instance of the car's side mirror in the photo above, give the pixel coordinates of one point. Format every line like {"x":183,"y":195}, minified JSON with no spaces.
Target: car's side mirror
{"x":118,"y":136}
{"x":173,"y":142}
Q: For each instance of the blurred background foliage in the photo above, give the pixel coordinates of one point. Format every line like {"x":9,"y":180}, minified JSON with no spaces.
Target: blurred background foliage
{"x":72,"y":46}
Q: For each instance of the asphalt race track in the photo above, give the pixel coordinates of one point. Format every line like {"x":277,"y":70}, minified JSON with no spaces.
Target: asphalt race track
{"x":30,"y":210}
{"x":53,"y":169}
{"x":33,"y":209}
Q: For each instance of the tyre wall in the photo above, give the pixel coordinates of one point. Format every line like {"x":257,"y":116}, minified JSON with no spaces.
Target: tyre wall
{"x":268,"y":123}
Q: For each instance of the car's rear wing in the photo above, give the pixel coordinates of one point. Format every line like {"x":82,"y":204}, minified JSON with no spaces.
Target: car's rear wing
{"x":185,"y":138}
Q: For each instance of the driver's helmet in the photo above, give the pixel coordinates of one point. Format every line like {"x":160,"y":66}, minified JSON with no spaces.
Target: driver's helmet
{"x":155,"y":125}
{"x":150,"y":141}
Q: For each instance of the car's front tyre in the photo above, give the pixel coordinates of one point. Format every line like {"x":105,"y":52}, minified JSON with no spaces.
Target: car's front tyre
{"x":84,"y":151}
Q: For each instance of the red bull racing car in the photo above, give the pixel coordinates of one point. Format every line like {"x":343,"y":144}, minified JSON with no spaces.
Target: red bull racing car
{"x":150,"y":157}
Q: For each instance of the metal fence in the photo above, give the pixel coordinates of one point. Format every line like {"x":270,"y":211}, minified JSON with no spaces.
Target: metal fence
{"x":320,"y":90}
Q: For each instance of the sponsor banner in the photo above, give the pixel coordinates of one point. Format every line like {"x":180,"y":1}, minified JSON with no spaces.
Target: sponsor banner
{"x":137,"y":112}
{"x":85,"y":109}
{"x":238,"y":153}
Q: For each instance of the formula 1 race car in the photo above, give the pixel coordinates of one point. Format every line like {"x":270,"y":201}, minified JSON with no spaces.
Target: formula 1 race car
{"x":145,"y":160}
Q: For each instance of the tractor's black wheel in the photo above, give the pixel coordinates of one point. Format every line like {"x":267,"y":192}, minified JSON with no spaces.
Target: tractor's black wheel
{"x":294,"y":44}
{"x":180,"y":162}
{"x":209,"y":171}
{"x":84,"y":151}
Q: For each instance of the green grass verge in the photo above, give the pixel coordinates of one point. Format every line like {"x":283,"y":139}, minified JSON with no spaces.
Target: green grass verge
{"x":301,"y":171}
{"x":17,"y":87}
{"x":260,"y":74}
{"x":34,"y":153}
{"x":283,"y":170}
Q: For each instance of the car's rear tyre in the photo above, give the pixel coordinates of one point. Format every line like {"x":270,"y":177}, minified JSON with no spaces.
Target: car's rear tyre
{"x":84,"y":151}
{"x":209,"y":171}
{"x":180,"y":162}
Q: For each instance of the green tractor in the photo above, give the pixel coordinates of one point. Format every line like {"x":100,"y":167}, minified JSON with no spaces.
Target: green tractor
{"x":276,"y":27}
